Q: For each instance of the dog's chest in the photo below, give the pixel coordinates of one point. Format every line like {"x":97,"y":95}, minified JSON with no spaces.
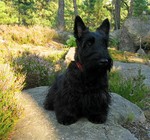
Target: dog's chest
{"x":87,"y":102}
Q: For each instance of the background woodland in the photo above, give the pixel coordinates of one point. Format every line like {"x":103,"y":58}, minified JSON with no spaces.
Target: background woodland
{"x":60,"y":13}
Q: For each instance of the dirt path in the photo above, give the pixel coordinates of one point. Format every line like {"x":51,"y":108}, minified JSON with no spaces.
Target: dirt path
{"x":35,"y":125}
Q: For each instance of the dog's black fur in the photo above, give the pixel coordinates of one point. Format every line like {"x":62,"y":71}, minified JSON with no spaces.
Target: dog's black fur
{"x":82,"y":91}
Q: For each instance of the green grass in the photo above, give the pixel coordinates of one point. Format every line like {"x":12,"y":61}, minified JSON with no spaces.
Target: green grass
{"x":131,"y":88}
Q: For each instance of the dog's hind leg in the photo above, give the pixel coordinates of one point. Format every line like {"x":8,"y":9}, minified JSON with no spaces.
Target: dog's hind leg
{"x":52,"y":93}
{"x":49,"y":100}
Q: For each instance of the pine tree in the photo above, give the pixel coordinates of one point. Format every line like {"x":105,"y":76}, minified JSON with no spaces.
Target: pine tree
{"x":117,"y":14}
{"x":61,"y":20}
{"x":139,"y":6}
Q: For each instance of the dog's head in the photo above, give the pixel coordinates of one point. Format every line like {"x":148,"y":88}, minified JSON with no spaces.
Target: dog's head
{"x":92,"y":47}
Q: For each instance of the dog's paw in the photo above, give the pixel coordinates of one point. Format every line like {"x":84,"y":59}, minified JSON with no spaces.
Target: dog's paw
{"x":67,"y":120}
{"x":97,"y":118}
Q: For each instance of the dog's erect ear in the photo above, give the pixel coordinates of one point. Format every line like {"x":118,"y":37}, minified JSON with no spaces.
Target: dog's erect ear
{"x":104,"y":27}
{"x":79,"y":27}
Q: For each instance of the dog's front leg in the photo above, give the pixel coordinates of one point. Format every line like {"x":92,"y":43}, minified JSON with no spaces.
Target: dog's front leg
{"x":66,"y":109}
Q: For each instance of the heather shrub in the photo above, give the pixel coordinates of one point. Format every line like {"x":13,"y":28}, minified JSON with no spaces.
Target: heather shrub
{"x":39,"y":71}
{"x":11,"y":84}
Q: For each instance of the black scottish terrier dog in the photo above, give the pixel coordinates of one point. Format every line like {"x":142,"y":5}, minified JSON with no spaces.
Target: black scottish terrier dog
{"x":82,"y":91}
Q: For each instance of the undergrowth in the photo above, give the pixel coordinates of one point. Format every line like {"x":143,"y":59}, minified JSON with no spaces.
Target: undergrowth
{"x":131,"y":88}
{"x":10,"y":110}
{"x":39,"y":71}
{"x":36,"y":35}
{"x":71,"y":42}
{"x":21,"y":69}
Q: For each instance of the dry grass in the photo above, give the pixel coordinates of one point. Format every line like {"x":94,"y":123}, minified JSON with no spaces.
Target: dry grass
{"x":36,"y":35}
{"x":128,"y":57}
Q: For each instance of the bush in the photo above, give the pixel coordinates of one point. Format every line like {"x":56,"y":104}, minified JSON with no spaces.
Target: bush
{"x":139,"y":7}
{"x":131,"y":88}
{"x":6,"y":16}
{"x":71,"y":42}
{"x":10,"y":85}
{"x":39,"y":71}
{"x":114,"y":42}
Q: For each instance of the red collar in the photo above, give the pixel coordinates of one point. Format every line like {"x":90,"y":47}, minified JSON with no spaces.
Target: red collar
{"x":79,"y":65}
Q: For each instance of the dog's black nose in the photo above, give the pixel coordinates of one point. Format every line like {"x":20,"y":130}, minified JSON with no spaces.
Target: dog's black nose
{"x":103,"y":61}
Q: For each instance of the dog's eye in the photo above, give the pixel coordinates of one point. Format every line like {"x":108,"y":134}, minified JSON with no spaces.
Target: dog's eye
{"x":90,"y":42}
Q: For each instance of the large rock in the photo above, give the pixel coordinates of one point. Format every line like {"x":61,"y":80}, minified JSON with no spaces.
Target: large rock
{"x":115,"y":34}
{"x":114,"y":38}
{"x":70,"y":55}
{"x":139,"y":27}
{"x":63,"y":35}
{"x":39,"y":124}
{"x":126,"y":42}
{"x":132,"y":29}
{"x":133,"y":69}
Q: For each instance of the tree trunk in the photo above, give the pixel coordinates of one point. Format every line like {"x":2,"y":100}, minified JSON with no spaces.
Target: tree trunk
{"x":61,"y":20}
{"x":131,"y":8}
{"x":75,"y":7}
{"x":19,"y":11}
{"x":117,"y":14}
